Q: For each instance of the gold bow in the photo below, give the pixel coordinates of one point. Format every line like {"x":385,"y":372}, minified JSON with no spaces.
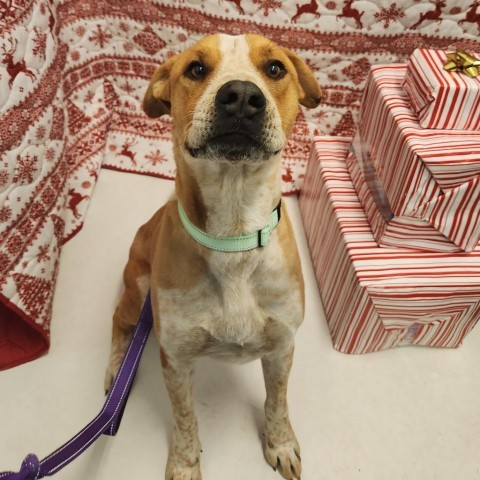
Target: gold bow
{"x":461,"y":61}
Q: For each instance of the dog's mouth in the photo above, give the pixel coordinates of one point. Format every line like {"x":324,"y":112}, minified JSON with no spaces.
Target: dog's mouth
{"x":234,"y":137}
{"x":232,"y":146}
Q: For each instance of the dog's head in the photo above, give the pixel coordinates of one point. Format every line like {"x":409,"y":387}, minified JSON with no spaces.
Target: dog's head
{"x":232,"y":98}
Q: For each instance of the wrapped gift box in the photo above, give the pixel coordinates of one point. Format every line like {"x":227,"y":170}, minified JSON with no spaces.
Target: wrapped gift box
{"x":441,"y":99}
{"x":375,"y":297}
{"x":389,"y":230}
{"x":431,"y":178}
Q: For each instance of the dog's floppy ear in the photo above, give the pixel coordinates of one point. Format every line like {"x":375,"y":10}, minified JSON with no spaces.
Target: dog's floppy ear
{"x":312,"y":93}
{"x":157,"y":98}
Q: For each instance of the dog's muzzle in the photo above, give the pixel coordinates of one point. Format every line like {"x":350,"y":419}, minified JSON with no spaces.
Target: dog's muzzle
{"x":237,"y":130}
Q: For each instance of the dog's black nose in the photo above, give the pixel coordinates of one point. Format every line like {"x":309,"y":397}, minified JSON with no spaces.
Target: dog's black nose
{"x":240,"y":98}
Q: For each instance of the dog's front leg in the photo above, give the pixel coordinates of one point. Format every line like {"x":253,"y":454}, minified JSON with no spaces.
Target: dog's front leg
{"x":184,"y":457}
{"x":281,"y":446}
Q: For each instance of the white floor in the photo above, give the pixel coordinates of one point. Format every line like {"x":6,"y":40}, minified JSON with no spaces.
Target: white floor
{"x":410,"y":413}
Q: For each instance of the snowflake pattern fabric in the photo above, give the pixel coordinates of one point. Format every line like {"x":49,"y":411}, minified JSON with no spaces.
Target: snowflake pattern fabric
{"x":72,"y":76}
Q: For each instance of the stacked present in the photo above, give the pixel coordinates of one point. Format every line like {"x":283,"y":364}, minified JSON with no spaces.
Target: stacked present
{"x":393,"y":216}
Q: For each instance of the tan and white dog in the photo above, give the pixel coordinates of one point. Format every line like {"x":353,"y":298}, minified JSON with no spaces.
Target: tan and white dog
{"x":234,"y":100}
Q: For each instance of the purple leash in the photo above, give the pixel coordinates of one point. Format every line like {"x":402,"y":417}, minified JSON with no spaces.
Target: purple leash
{"x":106,"y":422}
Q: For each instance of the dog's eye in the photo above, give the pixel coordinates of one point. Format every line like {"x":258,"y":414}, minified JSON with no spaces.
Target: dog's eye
{"x":276,"y":70}
{"x":196,"y":71}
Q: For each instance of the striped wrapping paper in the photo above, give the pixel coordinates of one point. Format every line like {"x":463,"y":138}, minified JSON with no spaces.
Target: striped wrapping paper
{"x":389,"y":230}
{"x":374,"y":297}
{"x":441,"y":99}
{"x":431,"y":178}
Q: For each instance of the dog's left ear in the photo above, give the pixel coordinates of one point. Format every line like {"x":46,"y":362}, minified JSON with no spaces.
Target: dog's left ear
{"x":157,"y":98}
{"x":312,"y":93}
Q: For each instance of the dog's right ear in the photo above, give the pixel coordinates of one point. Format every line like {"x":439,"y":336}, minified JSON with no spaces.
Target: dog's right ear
{"x":311,"y":93}
{"x":157,"y":98}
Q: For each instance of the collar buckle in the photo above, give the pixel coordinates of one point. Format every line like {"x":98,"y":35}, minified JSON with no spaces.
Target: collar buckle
{"x":263,"y":235}
{"x":259,"y":237}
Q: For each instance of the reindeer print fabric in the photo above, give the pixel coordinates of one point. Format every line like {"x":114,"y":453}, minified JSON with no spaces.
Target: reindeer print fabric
{"x":72,"y":76}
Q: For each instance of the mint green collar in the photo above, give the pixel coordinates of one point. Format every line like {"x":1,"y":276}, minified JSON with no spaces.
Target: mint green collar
{"x":231,"y":244}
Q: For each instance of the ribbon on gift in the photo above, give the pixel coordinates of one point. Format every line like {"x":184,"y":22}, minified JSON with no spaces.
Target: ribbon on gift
{"x":461,"y":61}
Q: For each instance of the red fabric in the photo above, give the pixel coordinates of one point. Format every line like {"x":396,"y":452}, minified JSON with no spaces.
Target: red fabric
{"x":20,"y":339}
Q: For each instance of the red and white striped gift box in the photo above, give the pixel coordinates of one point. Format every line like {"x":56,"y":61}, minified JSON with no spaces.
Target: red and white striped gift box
{"x":374,"y":297}
{"x":388,"y":229}
{"x":441,"y":99}
{"x":431,"y":178}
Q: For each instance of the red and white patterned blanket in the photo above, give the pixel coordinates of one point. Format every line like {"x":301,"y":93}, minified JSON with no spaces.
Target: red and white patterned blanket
{"x":72,"y":74}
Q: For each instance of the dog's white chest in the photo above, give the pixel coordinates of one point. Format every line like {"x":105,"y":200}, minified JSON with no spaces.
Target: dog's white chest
{"x":224,"y":304}
{"x":214,"y":319}
{"x":238,"y":318}
{"x":231,"y":313}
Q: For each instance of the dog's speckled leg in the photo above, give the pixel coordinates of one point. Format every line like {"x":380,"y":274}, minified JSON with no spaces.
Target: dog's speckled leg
{"x":281,"y":447}
{"x":124,"y":320}
{"x":184,"y":457}
{"x":136,"y":277}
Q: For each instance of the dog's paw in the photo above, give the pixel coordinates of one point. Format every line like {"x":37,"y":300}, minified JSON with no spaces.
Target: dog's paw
{"x":111,"y":373}
{"x":109,"y":377}
{"x":284,"y":457}
{"x":178,"y":471}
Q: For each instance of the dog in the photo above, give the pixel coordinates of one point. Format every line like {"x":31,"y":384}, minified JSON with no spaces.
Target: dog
{"x":220,"y":258}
